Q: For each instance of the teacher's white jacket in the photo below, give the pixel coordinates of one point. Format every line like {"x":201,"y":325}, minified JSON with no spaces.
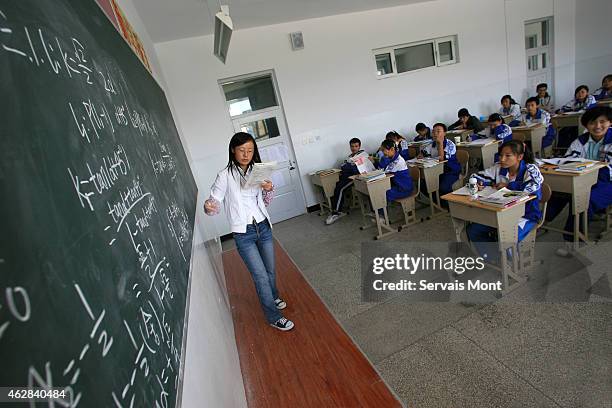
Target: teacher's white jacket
{"x":226,"y":189}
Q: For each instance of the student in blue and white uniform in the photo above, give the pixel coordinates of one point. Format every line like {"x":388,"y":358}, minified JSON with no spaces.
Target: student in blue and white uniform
{"x":497,"y":130}
{"x":596,"y":144}
{"x":466,"y":121}
{"x":347,"y":169}
{"x":423,"y":132}
{"x":535,"y":114}
{"x":605,"y":92}
{"x":544,"y":99}
{"x":510,"y":107}
{"x":443,"y":149}
{"x":515,"y":171}
{"x":394,"y":137}
{"x":582,"y":100}
{"x":392,"y":162}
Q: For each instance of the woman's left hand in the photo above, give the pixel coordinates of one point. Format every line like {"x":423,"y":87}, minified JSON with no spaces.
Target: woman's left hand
{"x":267,"y":185}
{"x":499,"y":186}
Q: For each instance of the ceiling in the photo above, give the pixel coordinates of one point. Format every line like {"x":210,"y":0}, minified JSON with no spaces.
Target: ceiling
{"x":167,"y":20}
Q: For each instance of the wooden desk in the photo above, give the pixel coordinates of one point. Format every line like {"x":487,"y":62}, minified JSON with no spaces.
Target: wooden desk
{"x":326,"y":180}
{"x":464,"y":209}
{"x":605,"y":102}
{"x":431,"y":175}
{"x":579,"y":186}
{"x":486,"y":152}
{"x":463,"y":133}
{"x":534,"y":134}
{"x":377,"y":192}
{"x":561,"y":120}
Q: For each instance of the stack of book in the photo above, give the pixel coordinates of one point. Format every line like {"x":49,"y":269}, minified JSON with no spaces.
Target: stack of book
{"x":424,"y":162}
{"x":504,"y":198}
{"x":575,"y":166}
{"x":326,"y":172}
{"x":372,"y":175}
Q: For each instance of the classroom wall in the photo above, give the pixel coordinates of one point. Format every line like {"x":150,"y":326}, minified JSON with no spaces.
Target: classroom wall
{"x":593,"y":42}
{"x":330,"y":91}
{"x":212,"y":376}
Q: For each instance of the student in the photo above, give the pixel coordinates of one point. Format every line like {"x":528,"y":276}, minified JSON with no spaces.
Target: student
{"x":510,"y":107}
{"x":582,"y":100}
{"x":595,"y":144}
{"x":250,"y":223}
{"x":605,"y":92}
{"x":400,"y":141}
{"x":443,"y":149}
{"x":423,"y":132}
{"x":389,"y":136}
{"x":392,"y":162}
{"x":544,"y":98}
{"x":537,"y":115}
{"x":515,"y":171}
{"x":466,"y":121}
{"x":347,"y":170}
{"x":497,"y":130}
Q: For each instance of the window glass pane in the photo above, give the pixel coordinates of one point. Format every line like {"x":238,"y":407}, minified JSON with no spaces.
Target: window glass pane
{"x":414,"y":57}
{"x":532,"y":63}
{"x":545,"y":32}
{"x":261,"y":129}
{"x":383,"y":64}
{"x":531,"y":41}
{"x":445,"y":51}
{"x":544,"y":62}
{"x":250,"y":95}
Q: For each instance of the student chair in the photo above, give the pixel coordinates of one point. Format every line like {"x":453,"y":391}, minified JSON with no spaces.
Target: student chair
{"x":408,"y":203}
{"x":464,"y":159}
{"x":526,"y":247}
{"x":608,"y":220}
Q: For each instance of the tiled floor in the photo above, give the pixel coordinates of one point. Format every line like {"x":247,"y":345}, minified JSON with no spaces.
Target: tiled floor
{"x":506,"y":354}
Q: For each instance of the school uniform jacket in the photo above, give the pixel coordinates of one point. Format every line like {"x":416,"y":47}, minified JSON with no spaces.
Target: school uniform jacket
{"x":427,"y":136}
{"x":602,"y":93}
{"x":452,"y":165}
{"x":514,"y":110}
{"x":542,"y":117}
{"x":574,"y":105}
{"x":349,"y":168}
{"x":502,"y":132}
{"x":578,"y":148}
{"x":401,"y":179}
{"x":528,"y":179}
{"x":546,"y":103}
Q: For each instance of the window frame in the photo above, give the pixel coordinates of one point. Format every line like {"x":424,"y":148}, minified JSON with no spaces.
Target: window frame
{"x":435,"y":42}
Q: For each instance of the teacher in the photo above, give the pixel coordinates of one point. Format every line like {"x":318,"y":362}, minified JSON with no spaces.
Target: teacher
{"x":245,"y":207}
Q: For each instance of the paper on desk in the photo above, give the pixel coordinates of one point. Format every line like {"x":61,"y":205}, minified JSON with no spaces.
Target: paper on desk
{"x":260,"y":173}
{"x":478,"y":142}
{"x":564,"y":160}
{"x":363,"y":163}
{"x":485,"y":192}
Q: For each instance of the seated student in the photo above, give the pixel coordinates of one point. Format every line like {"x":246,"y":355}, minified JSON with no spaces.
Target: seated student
{"x":510,"y":107}
{"x":497,"y":130}
{"x":392,"y":162}
{"x":544,"y":98}
{"x":582,"y":100}
{"x":515,"y":171}
{"x":537,"y":115}
{"x":605,"y":92}
{"x":347,"y":170}
{"x":596,"y":144}
{"x":442,"y":149}
{"x":466,"y":121}
{"x":394,"y":137}
{"x":423,"y":132}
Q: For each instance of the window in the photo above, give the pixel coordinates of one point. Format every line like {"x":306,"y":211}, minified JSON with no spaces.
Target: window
{"x":403,"y":58}
{"x":249,"y":95}
{"x":531,"y":41}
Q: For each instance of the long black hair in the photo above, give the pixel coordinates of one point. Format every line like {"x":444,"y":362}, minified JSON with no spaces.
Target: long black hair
{"x":517,"y":148}
{"x":512,"y":101}
{"x":237,"y":140}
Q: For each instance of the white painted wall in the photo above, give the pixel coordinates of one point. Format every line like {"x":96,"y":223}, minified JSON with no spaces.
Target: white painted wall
{"x":593,"y":42}
{"x":329,"y":89}
{"x":212,"y":376}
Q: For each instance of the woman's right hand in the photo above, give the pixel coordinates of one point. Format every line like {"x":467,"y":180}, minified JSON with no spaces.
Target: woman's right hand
{"x":211,"y":206}
{"x":480,"y":186}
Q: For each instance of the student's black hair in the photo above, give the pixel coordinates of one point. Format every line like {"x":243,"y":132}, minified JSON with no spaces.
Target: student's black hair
{"x":463,"y":112}
{"x":392,"y":135}
{"x":532,"y":99}
{"x":442,"y":125}
{"x":543,"y":85}
{"x":420,"y":126}
{"x":388,"y":144}
{"x":586,"y":88}
{"x":494,"y":117}
{"x":592,"y":114}
{"x":606,"y":78}
{"x":237,"y":140}
{"x":512,"y":101}
{"x":355,"y":140}
{"x":517,"y":148}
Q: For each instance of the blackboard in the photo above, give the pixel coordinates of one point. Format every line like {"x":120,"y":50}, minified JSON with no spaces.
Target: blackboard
{"x":97,"y":212}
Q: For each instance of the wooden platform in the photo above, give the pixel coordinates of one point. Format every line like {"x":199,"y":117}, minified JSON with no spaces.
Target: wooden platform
{"x":314,"y":365}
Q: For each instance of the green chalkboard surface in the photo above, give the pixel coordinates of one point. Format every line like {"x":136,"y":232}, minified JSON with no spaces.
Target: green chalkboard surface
{"x":97,"y":207}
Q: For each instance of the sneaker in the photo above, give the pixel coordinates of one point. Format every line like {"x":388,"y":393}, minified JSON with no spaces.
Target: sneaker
{"x":283,"y":324}
{"x":280,"y":304}
{"x":334,"y":217}
{"x":565,"y":251}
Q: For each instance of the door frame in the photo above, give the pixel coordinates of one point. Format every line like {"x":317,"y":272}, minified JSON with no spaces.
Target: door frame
{"x":281,"y":107}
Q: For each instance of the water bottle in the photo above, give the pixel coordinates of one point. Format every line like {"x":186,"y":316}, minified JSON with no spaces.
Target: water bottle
{"x":473,"y":187}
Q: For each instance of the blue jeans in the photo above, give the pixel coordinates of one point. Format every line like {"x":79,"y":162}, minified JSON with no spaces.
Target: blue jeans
{"x":256,"y":247}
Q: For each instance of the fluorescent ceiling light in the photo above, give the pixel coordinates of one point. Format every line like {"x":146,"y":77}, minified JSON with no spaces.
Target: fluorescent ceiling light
{"x":223,"y":33}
